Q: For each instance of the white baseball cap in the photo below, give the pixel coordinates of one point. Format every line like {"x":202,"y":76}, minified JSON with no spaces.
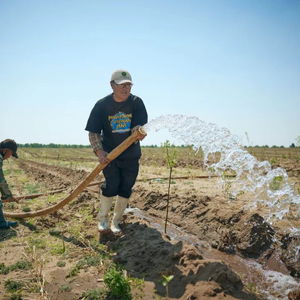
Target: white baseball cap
{"x":121,"y":76}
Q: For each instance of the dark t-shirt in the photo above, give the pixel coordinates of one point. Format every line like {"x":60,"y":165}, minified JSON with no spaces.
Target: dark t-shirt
{"x":114,"y":121}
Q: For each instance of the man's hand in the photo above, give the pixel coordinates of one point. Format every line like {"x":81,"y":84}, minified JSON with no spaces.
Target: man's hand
{"x":140,"y":137}
{"x":102,"y":156}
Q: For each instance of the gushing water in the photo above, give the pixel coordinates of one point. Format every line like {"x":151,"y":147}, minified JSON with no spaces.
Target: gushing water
{"x":269,"y":187}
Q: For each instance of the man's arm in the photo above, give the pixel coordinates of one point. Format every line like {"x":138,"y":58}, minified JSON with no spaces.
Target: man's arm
{"x":96,"y":143}
{"x":140,"y":116}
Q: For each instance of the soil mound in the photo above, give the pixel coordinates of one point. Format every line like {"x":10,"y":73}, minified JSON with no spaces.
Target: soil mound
{"x":146,"y":253}
{"x":251,"y":236}
{"x":290,"y":253}
{"x":294,"y":295}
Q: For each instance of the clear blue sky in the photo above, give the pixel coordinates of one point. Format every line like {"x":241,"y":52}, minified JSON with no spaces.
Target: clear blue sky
{"x":233,"y":63}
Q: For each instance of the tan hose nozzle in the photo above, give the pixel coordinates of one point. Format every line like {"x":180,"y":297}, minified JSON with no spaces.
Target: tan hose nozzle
{"x":142,"y":131}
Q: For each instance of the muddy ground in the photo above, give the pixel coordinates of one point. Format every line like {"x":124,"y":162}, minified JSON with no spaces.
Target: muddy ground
{"x":209,"y":255}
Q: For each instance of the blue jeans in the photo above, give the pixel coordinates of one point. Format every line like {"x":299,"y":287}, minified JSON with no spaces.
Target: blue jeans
{"x":2,"y":219}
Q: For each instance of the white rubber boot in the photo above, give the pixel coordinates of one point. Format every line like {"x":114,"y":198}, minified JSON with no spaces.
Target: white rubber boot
{"x":105,"y":206}
{"x":120,"y":206}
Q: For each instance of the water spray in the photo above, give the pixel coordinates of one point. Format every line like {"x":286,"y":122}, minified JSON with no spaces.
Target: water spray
{"x":268,"y":186}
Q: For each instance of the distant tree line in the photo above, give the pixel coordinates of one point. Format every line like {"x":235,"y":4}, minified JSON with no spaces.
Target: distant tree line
{"x":274,"y":146}
{"x":51,"y":145}
{"x":171,"y":145}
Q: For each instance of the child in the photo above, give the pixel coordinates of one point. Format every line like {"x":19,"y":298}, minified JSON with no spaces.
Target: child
{"x":8,"y":148}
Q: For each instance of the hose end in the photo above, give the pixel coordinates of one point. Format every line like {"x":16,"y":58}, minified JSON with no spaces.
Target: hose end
{"x":142,"y":130}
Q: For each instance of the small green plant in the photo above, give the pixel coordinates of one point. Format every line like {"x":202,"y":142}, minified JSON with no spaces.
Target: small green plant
{"x":31,"y":188}
{"x":38,"y":243}
{"x":171,"y":163}
{"x":273,"y":161}
{"x":276,"y":183}
{"x":227,"y":189}
{"x":20,"y":265}
{"x":16,"y":297}
{"x":240,"y":193}
{"x":95,"y":294}
{"x":251,"y":287}
{"x":65,"y":288}
{"x":12,"y":285}
{"x":26,"y":209}
{"x":73,"y":272}
{"x":87,"y":261}
{"x":165,"y":282}
{"x":118,"y":285}
{"x":7,"y":172}
{"x":61,"y":263}
{"x":3,"y":269}
{"x":227,"y":176}
{"x":58,"y":249}
{"x":211,"y":170}
{"x":11,"y":205}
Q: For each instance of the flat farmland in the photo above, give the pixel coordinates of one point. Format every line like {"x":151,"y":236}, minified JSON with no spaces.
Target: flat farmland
{"x":207,"y":248}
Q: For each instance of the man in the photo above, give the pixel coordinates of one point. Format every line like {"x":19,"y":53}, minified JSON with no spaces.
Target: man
{"x":111,"y":121}
{"x":8,"y":148}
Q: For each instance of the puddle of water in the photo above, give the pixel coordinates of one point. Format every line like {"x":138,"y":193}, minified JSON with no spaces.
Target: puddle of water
{"x":270,"y":284}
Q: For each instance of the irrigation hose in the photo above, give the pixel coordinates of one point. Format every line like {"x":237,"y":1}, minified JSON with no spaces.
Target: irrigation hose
{"x":32,"y":196}
{"x":136,"y":135}
{"x":52,"y":192}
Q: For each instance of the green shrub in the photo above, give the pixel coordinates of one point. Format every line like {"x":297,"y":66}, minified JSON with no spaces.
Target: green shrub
{"x":3,"y":269}
{"x":21,"y":265}
{"x":12,"y":285}
{"x":118,"y":285}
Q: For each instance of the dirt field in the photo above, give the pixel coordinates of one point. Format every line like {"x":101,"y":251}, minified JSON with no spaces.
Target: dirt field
{"x":213,"y":247}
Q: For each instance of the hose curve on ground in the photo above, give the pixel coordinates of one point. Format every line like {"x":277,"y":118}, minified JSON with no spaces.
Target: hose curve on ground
{"x":136,"y":135}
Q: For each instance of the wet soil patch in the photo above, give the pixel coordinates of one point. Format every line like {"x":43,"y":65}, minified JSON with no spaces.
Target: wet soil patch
{"x":234,"y":231}
{"x":146,"y":253}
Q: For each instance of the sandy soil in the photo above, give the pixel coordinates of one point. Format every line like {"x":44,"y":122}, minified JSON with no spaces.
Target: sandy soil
{"x":210,"y":245}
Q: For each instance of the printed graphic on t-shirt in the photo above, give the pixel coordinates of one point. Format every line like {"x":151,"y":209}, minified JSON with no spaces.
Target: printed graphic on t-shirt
{"x":120,"y":122}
